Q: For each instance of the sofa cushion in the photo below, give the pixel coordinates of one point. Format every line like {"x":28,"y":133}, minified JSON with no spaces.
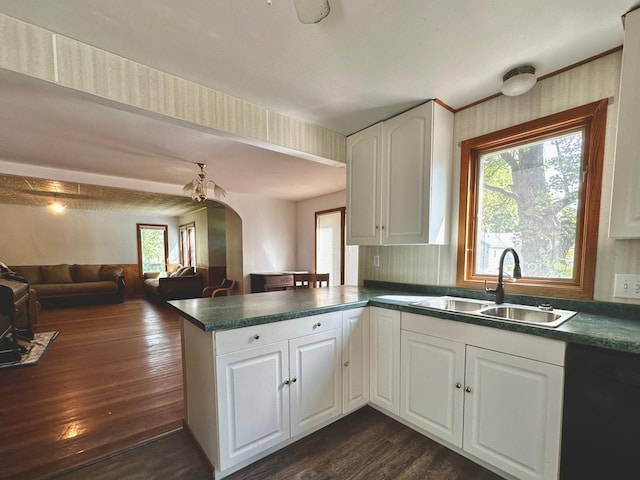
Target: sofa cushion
{"x":110,"y":272}
{"x":56,"y":273}
{"x":86,"y":273}
{"x":86,"y":288}
{"x":29,"y":272}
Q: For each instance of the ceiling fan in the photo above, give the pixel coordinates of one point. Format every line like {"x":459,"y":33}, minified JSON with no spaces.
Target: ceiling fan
{"x":310,"y":11}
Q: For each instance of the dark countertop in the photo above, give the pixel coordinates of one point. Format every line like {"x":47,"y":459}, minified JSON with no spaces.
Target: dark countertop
{"x":607,"y":325}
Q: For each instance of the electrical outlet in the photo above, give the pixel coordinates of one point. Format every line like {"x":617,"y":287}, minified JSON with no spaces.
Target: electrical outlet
{"x":376,"y":260}
{"x":627,"y":286}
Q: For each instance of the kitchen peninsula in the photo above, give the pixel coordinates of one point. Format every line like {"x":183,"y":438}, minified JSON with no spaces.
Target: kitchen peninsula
{"x":263,"y":370}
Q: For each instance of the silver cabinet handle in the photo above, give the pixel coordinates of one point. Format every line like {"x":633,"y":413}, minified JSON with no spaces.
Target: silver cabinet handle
{"x":286,"y":382}
{"x":458,"y":385}
{"x":467,"y":389}
{"x":293,"y":380}
{"x":317,"y":325}
{"x":346,"y":364}
{"x":256,"y":336}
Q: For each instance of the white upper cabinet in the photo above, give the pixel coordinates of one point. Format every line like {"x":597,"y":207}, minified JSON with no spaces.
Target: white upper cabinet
{"x":625,"y":202}
{"x":398,"y":179}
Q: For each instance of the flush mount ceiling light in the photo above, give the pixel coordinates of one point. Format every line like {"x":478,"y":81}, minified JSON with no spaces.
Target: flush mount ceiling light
{"x":518,"y":81}
{"x":310,"y":11}
{"x":197,"y":188}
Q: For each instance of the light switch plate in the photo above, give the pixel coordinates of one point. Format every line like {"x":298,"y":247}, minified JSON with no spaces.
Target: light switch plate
{"x":627,"y":286}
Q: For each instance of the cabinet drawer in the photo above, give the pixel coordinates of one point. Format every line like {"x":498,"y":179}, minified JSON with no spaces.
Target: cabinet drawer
{"x":248,"y":337}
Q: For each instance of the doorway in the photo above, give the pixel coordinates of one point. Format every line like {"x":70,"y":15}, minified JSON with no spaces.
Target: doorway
{"x":332,"y":256}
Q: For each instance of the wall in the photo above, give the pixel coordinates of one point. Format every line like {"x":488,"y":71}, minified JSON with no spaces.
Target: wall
{"x":435,"y":265}
{"x":216,"y":219}
{"x":36,"y":235}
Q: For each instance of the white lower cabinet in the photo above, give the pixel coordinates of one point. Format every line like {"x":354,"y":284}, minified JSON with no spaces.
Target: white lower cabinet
{"x":501,"y":408}
{"x":315,"y":388}
{"x":355,"y":359}
{"x":491,"y":394}
{"x":270,"y":393}
{"x":432,"y":381}
{"x":253,"y":401}
{"x":513,"y":413}
{"x":385,"y":359}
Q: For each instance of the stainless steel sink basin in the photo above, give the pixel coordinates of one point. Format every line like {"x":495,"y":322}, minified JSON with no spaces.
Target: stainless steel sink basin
{"x":453,"y":304}
{"x":507,"y":312}
{"x":532,"y":315}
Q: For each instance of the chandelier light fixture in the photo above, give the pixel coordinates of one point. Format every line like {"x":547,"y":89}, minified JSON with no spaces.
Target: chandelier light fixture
{"x":197,"y":188}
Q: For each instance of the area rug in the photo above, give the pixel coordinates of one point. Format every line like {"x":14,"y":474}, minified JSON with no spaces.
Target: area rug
{"x":35,"y":349}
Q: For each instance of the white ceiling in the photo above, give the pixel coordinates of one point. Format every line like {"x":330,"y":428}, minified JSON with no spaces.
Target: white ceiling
{"x":367,"y":61}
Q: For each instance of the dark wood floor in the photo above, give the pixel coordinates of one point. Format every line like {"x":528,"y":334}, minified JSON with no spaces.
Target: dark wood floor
{"x":112,"y":378}
{"x":365,"y":445}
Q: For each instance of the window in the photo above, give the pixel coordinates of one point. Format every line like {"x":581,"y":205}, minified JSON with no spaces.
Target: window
{"x":188,"y":245}
{"x":152,"y":248}
{"x":534,"y":187}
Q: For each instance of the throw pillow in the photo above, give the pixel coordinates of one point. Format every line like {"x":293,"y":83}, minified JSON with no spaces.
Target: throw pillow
{"x":111,"y":272}
{"x":56,"y":273}
{"x":187,"y":272}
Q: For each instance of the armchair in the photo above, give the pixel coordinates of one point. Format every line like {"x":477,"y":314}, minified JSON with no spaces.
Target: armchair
{"x":224,"y":289}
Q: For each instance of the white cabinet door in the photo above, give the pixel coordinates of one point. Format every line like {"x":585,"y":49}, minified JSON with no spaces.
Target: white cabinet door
{"x":355,"y":359}
{"x":253,"y":401}
{"x":431,"y":385}
{"x":405,"y":177}
{"x":625,"y":200}
{"x":385,"y":359}
{"x":315,"y":379}
{"x":364,"y":154}
{"x":513,"y":413}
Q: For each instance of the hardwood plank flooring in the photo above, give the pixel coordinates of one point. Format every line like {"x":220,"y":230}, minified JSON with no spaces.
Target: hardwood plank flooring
{"x":112,"y":378}
{"x":112,"y":381}
{"x":365,"y":445}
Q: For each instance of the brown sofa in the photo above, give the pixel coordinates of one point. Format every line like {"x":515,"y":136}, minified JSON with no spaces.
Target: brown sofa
{"x":65,"y":284}
{"x":183,"y":282}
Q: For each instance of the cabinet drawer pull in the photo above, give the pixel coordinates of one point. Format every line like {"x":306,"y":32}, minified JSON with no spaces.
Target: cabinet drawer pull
{"x":317,"y":325}
{"x":467,"y":389}
{"x":286,"y":382}
{"x":458,"y":385}
{"x":346,"y":364}
{"x":293,"y":380}
{"x":256,"y":336}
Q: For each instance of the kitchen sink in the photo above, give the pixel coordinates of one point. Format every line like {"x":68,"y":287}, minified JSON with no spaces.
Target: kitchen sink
{"x":453,"y":304}
{"x":542,"y":316}
{"x":529,"y":315}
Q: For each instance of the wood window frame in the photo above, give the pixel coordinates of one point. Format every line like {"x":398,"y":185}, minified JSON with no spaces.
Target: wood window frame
{"x":592,"y":118}
{"x":185,"y":257}
{"x":139,"y":227}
